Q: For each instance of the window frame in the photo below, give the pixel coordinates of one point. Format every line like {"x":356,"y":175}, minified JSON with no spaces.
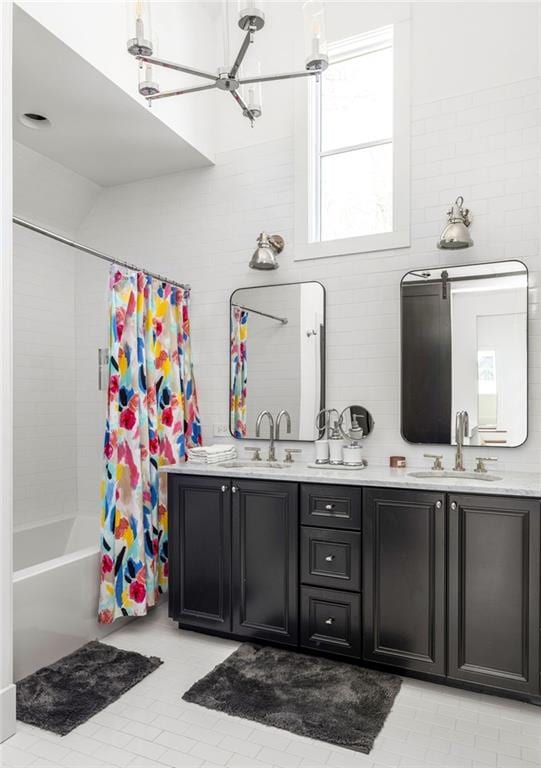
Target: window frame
{"x":308,"y":154}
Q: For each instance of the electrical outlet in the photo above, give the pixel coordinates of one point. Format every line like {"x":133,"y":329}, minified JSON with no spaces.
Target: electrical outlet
{"x":221,"y":430}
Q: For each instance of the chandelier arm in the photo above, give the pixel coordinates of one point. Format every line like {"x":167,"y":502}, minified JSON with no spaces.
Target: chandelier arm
{"x":176,"y":67}
{"x":284,"y":76}
{"x":242,"y":104}
{"x":180,"y":92}
{"x":241,"y":54}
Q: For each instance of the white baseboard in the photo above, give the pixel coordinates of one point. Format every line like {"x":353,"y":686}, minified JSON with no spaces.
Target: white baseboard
{"x":7,"y":712}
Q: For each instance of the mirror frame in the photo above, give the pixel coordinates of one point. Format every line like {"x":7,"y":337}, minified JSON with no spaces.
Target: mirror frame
{"x":460,"y":266}
{"x":323,"y":393}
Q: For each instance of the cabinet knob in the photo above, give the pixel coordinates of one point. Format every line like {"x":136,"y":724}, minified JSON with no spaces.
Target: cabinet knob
{"x":329,"y":558}
{"x":234,"y":489}
{"x":329,"y":507}
{"x":453,"y":505}
{"x":224,"y":488}
{"x":438,"y":505}
{"x":330,"y":620}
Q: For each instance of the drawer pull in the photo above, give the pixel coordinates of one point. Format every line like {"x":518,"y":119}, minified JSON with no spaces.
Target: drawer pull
{"x":329,"y":558}
{"x":329,"y":507}
{"x":330,"y":620}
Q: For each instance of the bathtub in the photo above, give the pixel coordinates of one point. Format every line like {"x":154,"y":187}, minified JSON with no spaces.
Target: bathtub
{"x":55,"y":591}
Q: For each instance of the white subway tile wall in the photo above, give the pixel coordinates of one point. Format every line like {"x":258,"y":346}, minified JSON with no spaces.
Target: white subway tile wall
{"x":60,"y":321}
{"x":45,"y":381}
{"x":200,"y":226}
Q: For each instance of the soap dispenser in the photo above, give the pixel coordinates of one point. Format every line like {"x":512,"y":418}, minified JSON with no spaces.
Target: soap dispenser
{"x":335,"y":445}
{"x":321,"y":445}
{"x":352,"y":453}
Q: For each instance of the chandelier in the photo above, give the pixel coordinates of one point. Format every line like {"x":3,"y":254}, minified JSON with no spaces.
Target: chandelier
{"x":245,"y":90}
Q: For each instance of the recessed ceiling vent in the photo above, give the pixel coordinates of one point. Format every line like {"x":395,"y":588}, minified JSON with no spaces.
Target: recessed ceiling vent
{"x":35,"y":121}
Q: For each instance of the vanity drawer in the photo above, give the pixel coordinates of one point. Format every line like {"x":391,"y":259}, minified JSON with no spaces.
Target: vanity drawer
{"x":329,"y":506}
{"x":331,"y":558}
{"x":331,"y":621}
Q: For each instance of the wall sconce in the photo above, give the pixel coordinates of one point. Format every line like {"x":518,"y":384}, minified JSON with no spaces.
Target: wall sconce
{"x":456,"y":234}
{"x":268,"y":247}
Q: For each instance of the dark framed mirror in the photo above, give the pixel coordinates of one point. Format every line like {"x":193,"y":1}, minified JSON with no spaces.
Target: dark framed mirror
{"x":465,"y":348}
{"x":277,"y":358}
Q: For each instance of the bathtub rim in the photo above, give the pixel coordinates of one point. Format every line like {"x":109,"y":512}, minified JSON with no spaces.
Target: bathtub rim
{"x":55,"y":562}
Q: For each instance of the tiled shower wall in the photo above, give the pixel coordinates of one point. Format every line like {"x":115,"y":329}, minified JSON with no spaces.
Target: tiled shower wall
{"x":45,"y":382}
{"x":200,"y":226}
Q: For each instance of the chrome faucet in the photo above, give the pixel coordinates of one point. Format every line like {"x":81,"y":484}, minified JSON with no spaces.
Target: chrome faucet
{"x":462,"y":429}
{"x":279,"y":418}
{"x":272,"y":453}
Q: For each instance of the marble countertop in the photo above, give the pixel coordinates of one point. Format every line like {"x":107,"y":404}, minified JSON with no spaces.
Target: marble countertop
{"x":510,"y":484}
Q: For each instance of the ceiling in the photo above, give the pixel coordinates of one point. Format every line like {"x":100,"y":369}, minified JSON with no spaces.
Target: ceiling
{"x":96,"y":129}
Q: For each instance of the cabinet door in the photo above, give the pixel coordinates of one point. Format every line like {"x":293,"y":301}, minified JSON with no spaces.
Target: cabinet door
{"x":403,"y":541}
{"x":265,"y":560}
{"x":494,"y":591}
{"x":200,"y":552}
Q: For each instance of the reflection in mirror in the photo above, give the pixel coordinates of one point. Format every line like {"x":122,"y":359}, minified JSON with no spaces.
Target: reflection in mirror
{"x":356,"y":422}
{"x":465,"y":348}
{"x":277,"y":358}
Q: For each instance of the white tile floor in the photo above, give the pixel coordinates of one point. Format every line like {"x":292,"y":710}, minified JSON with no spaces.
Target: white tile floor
{"x":430,"y":726}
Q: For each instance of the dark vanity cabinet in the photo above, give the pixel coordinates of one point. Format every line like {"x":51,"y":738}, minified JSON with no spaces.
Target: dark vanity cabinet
{"x":404,"y":579}
{"x":494,"y":579}
{"x":233,"y":559}
{"x":199,"y":510}
{"x":265,"y":560}
{"x":428,"y":583}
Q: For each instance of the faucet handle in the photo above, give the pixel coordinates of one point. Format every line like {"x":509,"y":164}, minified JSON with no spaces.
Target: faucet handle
{"x":481,"y":462}
{"x":438,"y":460}
{"x":256,"y":452}
{"x":289,"y":451}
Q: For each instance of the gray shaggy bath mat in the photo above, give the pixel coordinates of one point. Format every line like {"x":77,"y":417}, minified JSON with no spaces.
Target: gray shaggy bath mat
{"x":67,"y":693}
{"x":327,"y":700}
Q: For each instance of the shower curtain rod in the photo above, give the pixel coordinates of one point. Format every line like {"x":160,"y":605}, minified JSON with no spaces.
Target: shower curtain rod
{"x":282,"y":320}
{"x":92,"y":252}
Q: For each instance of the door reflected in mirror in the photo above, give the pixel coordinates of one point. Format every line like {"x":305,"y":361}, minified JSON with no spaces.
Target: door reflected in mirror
{"x":277,"y":359}
{"x":465,"y":348}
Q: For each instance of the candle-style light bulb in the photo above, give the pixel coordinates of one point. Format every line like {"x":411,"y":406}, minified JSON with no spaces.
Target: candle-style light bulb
{"x":147,"y":85}
{"x":140,"y":45}
{"x":314,"y":25}
{"x":252,"y":93}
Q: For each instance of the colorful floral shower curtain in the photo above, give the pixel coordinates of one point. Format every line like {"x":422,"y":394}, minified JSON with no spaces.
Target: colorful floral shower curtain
{"x":152,"y":417}
{"x":239,"y":370}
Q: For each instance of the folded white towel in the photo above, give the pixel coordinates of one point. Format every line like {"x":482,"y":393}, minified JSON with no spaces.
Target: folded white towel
{"x":209,"y":450}
{"x":217,"y":460}
{"x":212,"y":454}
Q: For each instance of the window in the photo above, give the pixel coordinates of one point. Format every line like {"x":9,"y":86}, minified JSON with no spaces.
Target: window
{"x":353,"y":192}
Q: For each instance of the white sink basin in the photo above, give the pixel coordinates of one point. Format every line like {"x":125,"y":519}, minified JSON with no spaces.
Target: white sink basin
{"x":449,"y":474}
{"x":254,"y":465}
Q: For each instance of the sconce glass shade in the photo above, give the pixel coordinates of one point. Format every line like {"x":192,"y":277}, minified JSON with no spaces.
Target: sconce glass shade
{"x":251,"y":93}
{"x":456,"y":233}
{"x":268,"y":247}
{"x":251,"y":12}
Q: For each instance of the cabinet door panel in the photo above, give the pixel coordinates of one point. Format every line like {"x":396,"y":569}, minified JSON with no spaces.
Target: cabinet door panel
{"x":265,"y":560}
{"x":494,"y":591}
{"x":200,"y":552}
{"x":404,"y":579}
